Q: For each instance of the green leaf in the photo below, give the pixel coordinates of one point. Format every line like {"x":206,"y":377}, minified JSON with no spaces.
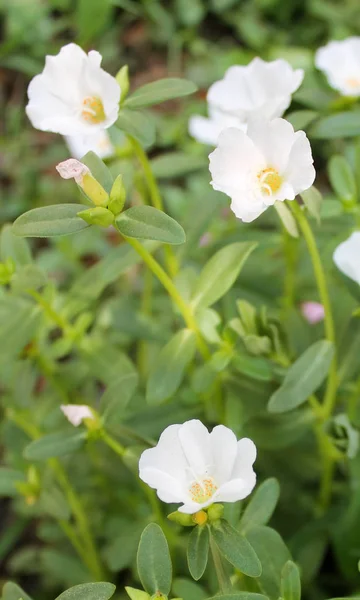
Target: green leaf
{"x":11,"y":246}
{"x":153,"y":561}
{"x":92,"y":17}
{"x":13,"y":338}
{"x":342,"y":179}
{"x":345,"y":124}
{"x":55,"y":444}
{"x":253,"y":366}
{"x":262,"y":505}
{"x":313,"y":200}
{"x":55,"y":504}
{"x":273,"y":555}
{"x":198,"y":551}
{"x":12,"y":591}
{"x":290,"y":582}
{"x":236,"y":549}
{"x":146,"y":222}
{"x":99,"y":170}
{"x":185,"y":588}
{"x":137,"y":594}
{"x":176,"y":164}
{"x":89,"y":591}
{"x":49,"y":221}
{"x":220,"y":273}
{"x":300,"y":119}
{"x":169,"y":367}
{"x":240,"y":596}
{"x":137,"y":124}
{"x":274,"y":432}
{"x":303,"y":377}
{"x":160,"y":91}
{"x":8,"y":480}
{"x":116,"y":397}
{"x":287,"y":219}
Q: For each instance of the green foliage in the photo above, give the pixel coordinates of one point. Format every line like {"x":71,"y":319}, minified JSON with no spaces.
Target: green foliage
{"x":236,"y":549}
{"x":160,"y":91}
{"x":48,"y":221}
{"x":154,"y":562}
{"x":146,"y":222}
{"x":198,"y":551}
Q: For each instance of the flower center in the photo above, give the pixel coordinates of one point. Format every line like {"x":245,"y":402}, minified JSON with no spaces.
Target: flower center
{"x":270,"y":181}
{"x":353,"y":82}
{"x":202,"y":490}
{"x":93,"y":110}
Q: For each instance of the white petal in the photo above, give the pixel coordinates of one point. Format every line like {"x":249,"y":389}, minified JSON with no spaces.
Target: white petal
{"x":274,"y":139}
{"x":340,"y":61}
{"x":204,"y":130}
{"x":347,"y":257}
{"x":76,"y":413}
{"x":233,"y":161}
{"x":246,"y":455}
{"x":237,"y":489}
{"x":168,"y":488}
{"x":300,"y":172}
{"x":100,"y":143}
{"x":247,"y":210}
{"x":224,"y":450}
{"x":167,"y":456}
{"x":195,"y":442}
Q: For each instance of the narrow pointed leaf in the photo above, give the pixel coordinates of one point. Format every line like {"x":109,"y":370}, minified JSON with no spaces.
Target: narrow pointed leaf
{"x":261,"y":505}
{"x":89,"y":591}
{"x":55,"y":444}
{"x":220,"y":273}
{"x":50,"y":221}
{"x":138,"y":125}
{"x":160,"y":91}
{"x":303,"y":377}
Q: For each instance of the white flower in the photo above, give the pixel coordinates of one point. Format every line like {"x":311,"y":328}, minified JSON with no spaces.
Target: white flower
{"x":268,"y":163}
{"x":73,"y":95}
{"x":195,"y":467}
{"x":259,"y":89}
{"x":347,"y":257}
{"x":76,"y":413}
{"x":99,"y":142}
{"x":313,"y":312}
{"x":72,"y":169}
{"x":207,"y":130}
{"x":340,"y":61}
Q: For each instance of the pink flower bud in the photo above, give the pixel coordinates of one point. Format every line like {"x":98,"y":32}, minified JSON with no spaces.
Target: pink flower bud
{"x":72,"y":169}
{"x":313,"y":312}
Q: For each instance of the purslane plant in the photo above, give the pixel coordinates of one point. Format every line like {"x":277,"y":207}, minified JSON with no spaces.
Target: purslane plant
{"x":270,"y":162}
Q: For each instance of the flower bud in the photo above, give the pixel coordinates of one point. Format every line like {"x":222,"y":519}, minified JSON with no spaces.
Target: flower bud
{"x":181,"y":519}
{"x":215,"y":512}
{"x":122,"y":78}
{"x":137,"y":594}
{"x":200,"y":517}
{"x":74,"y":169}
{"x":117,"y":196}
{"x":97,"y":216}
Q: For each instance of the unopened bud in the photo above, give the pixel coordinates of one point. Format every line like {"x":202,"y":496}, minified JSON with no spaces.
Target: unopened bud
{"x":215,"y":512}
{"x":200,"y":517}
{"x":117,"y":196}
{"x":97,"y":216}
{"x":122,"y":78}
{"x":181,"y":519}
{"x":74,"y":169}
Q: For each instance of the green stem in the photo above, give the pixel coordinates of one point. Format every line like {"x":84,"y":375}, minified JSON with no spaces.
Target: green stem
{"x":224,"y":584}
{"x":92,"y":561}
{"x":164,"y":278}
{"x":155,"y":198}
{"x":290,"y":245}
{"x":113,"y":444}
{"x":330,"y":394}
{"x":325,"y":447}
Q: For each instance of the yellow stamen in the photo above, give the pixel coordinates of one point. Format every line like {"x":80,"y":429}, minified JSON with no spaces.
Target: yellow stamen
{"x":270,"y":181}
{"x":93,"y":110}
{"x":201,"y":491}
